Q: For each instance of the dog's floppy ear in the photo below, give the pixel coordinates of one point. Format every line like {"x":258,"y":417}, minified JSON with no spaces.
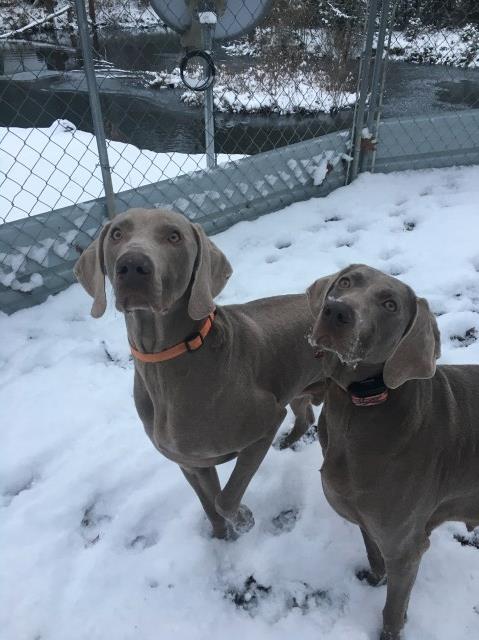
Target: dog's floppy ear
{"x":318,"y":291}
{"x":212,"y":271}
{"x":415,"y":356}
{"x":90,"y":273}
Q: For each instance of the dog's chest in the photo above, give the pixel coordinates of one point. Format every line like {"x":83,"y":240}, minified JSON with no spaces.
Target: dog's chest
{"x":357,"y":461}
{"x":197,"y":422}
{"x":345,"y":486}
{"x":181,"y":433}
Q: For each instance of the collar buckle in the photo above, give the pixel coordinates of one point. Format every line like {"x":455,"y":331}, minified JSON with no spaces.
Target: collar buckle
{"x":191,"y":340}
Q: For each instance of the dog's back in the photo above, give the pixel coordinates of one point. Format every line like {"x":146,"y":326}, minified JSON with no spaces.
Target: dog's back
{"x":281,"y":325}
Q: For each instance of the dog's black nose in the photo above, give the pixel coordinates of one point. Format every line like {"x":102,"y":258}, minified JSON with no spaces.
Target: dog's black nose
{"x":338,"y":313}
{"x":133,"y":268}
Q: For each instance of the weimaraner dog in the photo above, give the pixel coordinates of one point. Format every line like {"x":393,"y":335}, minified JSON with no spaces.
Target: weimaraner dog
{"x":400,"y":437}
{"x":211,"y":384}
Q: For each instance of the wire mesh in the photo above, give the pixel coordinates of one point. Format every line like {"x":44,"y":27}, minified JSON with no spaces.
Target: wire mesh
{"x":430,"y":70}
{"x":294,"y":77}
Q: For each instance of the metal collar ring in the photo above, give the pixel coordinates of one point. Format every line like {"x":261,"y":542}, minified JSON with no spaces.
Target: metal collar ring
{"x":211,"y":71}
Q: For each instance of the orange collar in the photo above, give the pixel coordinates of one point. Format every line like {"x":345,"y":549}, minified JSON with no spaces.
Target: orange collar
{"x":191,"y":343}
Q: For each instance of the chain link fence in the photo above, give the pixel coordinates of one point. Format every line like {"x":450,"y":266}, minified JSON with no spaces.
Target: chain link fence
{"x":95,"y":117}
{"x":424,"y":94}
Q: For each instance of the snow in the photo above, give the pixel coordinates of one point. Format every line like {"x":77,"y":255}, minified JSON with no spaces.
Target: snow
{"x":101,"y":536}
{"x":418,"y":43}
{"x":310,"y":40}
{"x":457,"y":47}
{"x":110,"y":13}
{"x":136,"y":14}
{"x":207,"y":17}
{"x":260,"y":90}
{"x":54,"y":167}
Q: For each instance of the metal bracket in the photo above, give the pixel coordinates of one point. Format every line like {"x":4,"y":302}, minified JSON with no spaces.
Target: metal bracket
{"x":368,"y":144}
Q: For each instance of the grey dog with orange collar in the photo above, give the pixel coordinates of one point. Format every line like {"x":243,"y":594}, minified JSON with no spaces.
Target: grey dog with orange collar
{"x":207,"y":388}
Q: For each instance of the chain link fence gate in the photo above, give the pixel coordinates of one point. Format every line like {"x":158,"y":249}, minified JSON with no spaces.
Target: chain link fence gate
{"x":419,"y":86}
{"x":299,"y":108}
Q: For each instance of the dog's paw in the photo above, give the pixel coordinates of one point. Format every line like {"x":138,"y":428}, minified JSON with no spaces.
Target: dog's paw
{"x":371,"y":578}
{"x":284,"y":442}
{"x":224,"y":532}
{"x":295,"y":442}
{"x":241,"y":520}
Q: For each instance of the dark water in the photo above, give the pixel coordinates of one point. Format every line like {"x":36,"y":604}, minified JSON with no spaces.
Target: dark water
{"x":45,"y":86}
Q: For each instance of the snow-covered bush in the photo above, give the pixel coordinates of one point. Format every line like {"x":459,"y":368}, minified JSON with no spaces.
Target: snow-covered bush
{"x":458,"y":47}
{"x":268,"y":88}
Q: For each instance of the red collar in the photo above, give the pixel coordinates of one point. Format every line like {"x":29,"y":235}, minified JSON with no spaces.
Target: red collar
{"x":370,"y":401}
{"x":369,"y":392}
{"x":191,"y":343}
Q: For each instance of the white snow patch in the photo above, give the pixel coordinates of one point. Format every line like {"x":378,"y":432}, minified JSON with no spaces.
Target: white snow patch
{"x":57,"y":166}
{"x":207,"y":17}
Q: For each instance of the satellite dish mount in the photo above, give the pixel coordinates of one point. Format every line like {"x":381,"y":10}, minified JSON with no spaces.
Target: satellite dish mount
{"x":200,"y":22}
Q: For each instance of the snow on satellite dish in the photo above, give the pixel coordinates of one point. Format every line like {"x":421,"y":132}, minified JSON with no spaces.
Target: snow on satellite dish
{"x":233,"y":17}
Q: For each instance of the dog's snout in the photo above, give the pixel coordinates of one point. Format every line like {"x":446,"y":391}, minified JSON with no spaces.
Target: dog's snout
{"x":133,"y":267}
{"x":338,"y":313}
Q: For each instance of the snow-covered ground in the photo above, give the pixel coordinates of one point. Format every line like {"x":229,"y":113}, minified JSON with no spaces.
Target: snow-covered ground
{"x":259,"y":90}
{"x":456,"y":47}
{"x":313,"y":40}
{"x":256,"y":91}
{"x":45,"y":169}
{"x":101,"y":536}
{"x":419,"y":43}
{"x":110,"y":13}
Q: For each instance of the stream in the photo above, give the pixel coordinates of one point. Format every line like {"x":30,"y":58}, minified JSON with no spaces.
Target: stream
{"x":40,"y":83}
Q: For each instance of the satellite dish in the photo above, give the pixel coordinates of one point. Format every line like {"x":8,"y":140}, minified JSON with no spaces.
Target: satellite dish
{"x":233,"y":17}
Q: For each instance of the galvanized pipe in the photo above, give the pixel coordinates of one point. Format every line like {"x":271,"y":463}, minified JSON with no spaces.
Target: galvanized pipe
{"x":375,"y":129}
{"x":375,"y":95}
{"x":378,"y":63}
{"x":95,"y":105}
{"x":207,"y":30}
{"x":366,"y":56}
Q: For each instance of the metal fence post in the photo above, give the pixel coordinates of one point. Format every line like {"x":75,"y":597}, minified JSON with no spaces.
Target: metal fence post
{"x":95,"y":105}
{"x":382,"y":82}
{"x":375,"y":99}
{"x":360,"y":109}
{"x":209,"y":103}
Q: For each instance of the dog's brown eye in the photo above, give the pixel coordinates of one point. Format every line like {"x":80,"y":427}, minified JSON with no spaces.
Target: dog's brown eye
{"x":390,"y":305}
{"x":116,"y":234}
{"x":174,"y":237}
{"x":344,"y":283}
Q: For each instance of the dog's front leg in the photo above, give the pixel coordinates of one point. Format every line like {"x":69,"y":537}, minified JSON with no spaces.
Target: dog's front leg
{"x":376,"y":577}
{"x":401,"y":574}
{"x":206,"y":484}
{"x":228,"y":502}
